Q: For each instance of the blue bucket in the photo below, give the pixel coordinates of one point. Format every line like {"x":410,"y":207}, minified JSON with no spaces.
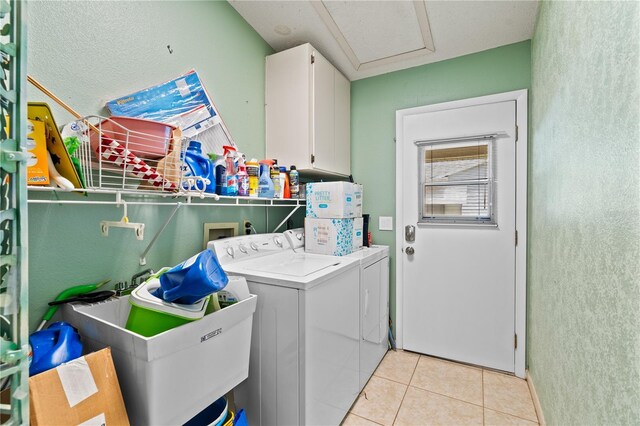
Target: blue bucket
{"x":214,"y":415}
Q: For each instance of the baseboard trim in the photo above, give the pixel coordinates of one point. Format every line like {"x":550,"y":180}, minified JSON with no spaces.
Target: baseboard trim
{"x":536,"y":401}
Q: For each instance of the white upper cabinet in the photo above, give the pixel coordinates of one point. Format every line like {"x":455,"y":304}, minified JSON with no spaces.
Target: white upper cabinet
{"x":308,"y":111}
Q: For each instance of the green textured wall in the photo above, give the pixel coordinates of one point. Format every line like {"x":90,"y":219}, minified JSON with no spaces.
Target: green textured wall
{"x":90,"y":52}
{"x":584,"y":260}
{"x":374,"y":102}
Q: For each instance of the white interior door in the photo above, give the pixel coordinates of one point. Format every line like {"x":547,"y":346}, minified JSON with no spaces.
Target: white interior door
{"x":458,"y":266}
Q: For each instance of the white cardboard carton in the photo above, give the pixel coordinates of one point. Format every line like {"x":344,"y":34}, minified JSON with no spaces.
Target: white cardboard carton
{"x":168,"y":378}
{"x":336,"y":237}
{"x":334,"y":200}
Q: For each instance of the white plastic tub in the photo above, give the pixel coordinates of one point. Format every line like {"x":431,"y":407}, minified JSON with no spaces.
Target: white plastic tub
{"x":168,"y":378}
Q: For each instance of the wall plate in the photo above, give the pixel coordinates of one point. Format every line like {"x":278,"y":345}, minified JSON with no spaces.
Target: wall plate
{"x":385,"y":223}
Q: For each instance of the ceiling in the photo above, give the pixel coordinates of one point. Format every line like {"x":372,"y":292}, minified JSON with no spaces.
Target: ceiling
{"x":363,"y":38}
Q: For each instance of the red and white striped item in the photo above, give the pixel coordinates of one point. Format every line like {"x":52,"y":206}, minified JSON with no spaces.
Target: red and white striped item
{"x":115,"y":153}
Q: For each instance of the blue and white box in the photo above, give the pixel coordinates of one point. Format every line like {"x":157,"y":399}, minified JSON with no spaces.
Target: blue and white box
{"x":335,"y":237}
{"x":334,"y":200}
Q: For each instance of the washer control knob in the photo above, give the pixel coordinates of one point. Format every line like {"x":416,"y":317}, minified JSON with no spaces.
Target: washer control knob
{"x":277,"y":241}
{"x":230,"y":251}
{"x":242,"y":248}
{"x":253,"y":246}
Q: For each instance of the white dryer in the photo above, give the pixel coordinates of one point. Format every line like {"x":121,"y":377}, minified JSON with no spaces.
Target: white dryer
{"x":374,"y":308}
{"x":304,"y":361}
{"x":374,"y":301}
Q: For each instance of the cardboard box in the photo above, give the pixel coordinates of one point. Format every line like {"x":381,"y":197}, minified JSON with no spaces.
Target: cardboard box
{"x":38,"y":172}
{"x":336,"y":237}
{"x":334,"y":200}
{"x":84,"y":392}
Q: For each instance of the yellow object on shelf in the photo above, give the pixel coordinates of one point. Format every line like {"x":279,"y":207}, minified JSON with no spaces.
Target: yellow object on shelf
{"x":40,"y":112}
{"x":38,"y":164}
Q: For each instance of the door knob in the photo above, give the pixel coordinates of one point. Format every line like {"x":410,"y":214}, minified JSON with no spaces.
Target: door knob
{"x":409,"y":250}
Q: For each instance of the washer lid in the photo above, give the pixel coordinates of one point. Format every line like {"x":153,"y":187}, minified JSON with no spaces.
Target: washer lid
{"x":292,"y":264}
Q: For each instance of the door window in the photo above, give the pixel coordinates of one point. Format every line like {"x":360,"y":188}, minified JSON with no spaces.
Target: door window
{"x":457,"y":182}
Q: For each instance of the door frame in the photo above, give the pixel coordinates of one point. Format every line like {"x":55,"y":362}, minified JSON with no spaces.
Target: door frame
{"x":521,"y":99}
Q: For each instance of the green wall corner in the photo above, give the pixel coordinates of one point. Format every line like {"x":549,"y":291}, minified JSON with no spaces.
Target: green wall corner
{"x":584,"y":204}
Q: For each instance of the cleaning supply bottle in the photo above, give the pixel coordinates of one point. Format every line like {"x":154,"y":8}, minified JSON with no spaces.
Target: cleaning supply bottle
{"x":275,"y":177}
{"x":294,"y":182}
{"x":193,"y":279}
{"x":235,"y":291}
{"x":284,"y":183}
{"x":243,"y":178}
{"x":253,"y":170}
{"x":218,"y":171}
{"x":265,"y":184}
{"x":231,"y":187}
{"x":196,"y":164}
{"x":57,"y":344}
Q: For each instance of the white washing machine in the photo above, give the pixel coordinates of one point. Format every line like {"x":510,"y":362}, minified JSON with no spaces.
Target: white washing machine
{"x":304,"y":361}
{"x":374,"y":301}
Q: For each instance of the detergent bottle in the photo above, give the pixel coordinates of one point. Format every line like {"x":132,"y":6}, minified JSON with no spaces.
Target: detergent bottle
{"x":265,"y":184}
{"x":196,"y":165}
{"x":253,"y":170}
{"x":294,"y":182}
{"x":230,"y":172}
{"x":57,"y":344}
{"x":195,"y":278}
{"x":275,"y":177}
{"x":285,"y":192}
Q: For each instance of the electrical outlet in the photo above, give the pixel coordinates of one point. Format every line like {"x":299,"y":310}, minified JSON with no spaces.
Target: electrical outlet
{"x":247,"y":226}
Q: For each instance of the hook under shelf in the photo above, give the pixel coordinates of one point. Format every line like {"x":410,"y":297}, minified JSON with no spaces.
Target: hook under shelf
{"x":122,"y":223}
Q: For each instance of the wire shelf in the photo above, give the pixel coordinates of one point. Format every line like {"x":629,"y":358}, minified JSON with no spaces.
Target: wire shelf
{"x":113,"y":156}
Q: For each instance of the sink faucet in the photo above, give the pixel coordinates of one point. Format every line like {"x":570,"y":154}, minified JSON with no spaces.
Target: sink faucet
{"x":140,"y":277}
{"x":123,"y":288}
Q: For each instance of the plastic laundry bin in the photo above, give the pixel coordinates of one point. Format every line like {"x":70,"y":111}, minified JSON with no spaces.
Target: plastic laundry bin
{"x":168,"y":378}
{"x":151,"y":315}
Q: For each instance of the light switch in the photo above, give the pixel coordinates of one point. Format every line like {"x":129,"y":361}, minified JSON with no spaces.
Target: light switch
{"x":385,"y":223}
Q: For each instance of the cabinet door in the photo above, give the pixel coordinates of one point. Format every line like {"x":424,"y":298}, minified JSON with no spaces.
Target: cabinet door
{"x":323,"y":114}
{"x":342,"y":124}
{"x":288,"y":107}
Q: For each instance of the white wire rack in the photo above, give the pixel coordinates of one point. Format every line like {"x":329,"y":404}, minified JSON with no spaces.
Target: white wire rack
{"x":141,"y":168}
{"x":150,"y":158}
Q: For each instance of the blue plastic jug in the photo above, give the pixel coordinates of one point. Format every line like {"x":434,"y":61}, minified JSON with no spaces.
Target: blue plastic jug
{"x":59,"y":343}
{"x":193,"y":279}
{"x":198,"y":164}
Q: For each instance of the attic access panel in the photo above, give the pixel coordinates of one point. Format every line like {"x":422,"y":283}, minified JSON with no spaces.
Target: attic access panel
{"x":367,"y":31}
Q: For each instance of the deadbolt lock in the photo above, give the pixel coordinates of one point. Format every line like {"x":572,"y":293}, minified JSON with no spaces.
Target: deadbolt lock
{"x":410,"y":233}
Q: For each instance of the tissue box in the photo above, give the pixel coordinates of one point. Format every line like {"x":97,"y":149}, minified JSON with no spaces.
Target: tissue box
{"x":335,"y":200}
{"x":336,"y":237}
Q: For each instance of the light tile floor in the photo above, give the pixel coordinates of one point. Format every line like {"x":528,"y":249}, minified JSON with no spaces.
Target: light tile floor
{"x":413,"y":389}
